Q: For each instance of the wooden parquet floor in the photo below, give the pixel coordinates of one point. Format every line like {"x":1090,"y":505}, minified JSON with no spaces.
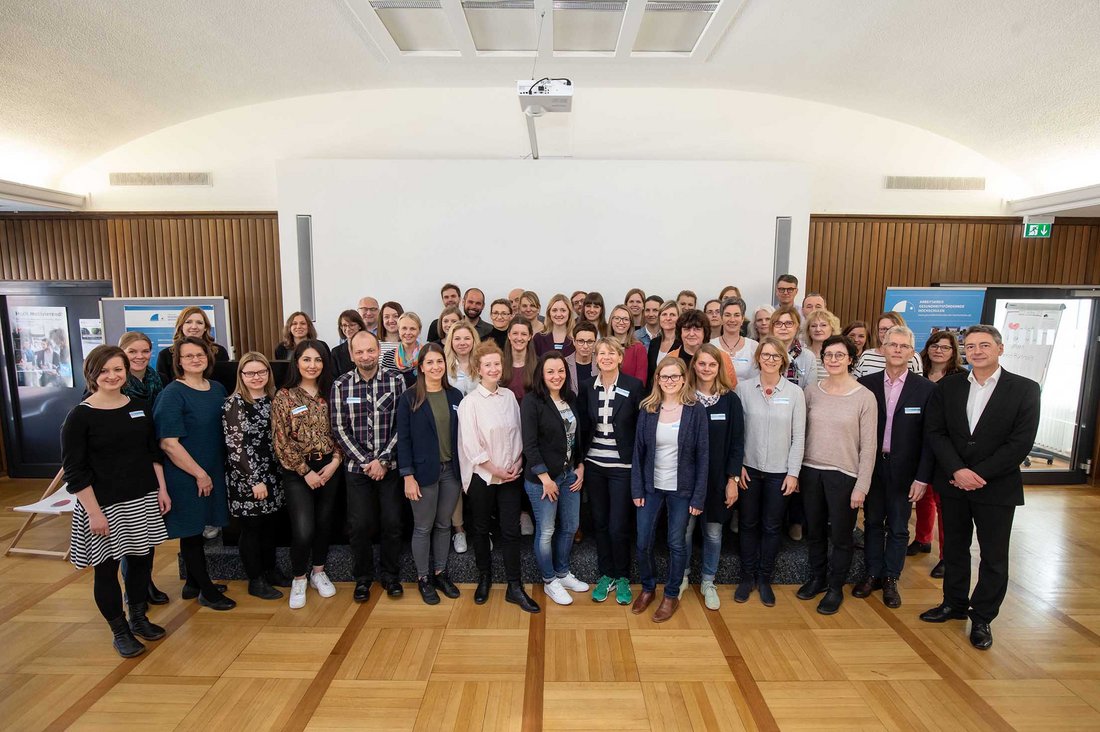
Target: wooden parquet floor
{"x":402,"y":665}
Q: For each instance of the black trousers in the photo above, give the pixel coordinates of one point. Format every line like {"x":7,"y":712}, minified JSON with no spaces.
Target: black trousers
{"x":194,"y":564}
{"x":257,"y":544}
{"x":611,"y":507}
{"x":374,"y":507}
{"x":827,"y":499}
{"x":481,"y":498}
{"x":961,"y":517}
{"x":108,"y":597}
{"x":886,"y":520}
{"x":760,"y":509}
{"x":310,"y":514}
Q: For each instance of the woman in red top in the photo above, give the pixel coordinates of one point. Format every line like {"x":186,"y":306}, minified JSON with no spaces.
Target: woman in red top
{"x":635,"y":356}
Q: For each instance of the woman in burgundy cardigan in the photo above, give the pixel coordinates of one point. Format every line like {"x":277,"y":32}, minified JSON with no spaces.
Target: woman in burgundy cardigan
{"x":635,"y":357}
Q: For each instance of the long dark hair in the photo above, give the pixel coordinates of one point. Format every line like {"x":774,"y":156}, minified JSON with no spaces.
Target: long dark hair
{"x":294,"y":374}
{"x":954,"y":365}
{"x":539,"y":388}
{"x":528,"y":362}
{"x":421,"y":380}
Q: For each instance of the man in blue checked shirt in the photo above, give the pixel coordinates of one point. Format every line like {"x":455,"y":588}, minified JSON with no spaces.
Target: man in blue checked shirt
{"x":363,"y":407}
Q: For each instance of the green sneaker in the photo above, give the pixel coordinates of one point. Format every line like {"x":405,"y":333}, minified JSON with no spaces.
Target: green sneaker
{"x":622,"y":591}
{"x":603,"y":587}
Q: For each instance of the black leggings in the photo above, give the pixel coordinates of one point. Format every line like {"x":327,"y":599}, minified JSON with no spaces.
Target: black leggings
{"x":311,"y":514}
{"x":194,"y":562}
{"x":257,"y":544}
{"x":108,"y":598}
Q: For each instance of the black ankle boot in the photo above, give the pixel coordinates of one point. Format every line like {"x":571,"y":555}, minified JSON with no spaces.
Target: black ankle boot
{"x":156,"y":595}
{"x":484,"y":583}
{"x":443,"y":583}
{"x":764,"y":587}
{"x":427,"y":591}
{"x":140,"y":624}
{"x":124,"y":642}
{"x":276,"y":578}
{"x":744,"y":589}
{"x":262,"y":589}
{"x":518,"y":596}
{"x":190,"y":591}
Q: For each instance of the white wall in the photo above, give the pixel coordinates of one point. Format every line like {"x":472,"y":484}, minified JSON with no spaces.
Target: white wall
{"x":846,"y":153}
{"x":400,"y":229}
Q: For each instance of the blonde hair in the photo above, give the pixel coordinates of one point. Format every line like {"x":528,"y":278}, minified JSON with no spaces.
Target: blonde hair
{"x":668,"y":305}
{"x":722,"y":382}
{"x":485,"y":348}
{"x":269,"y":387}
{"x":752,"y":322}
{"x":816,"y":315}
{"x":628,"y":337}
{"x":687,"y":393}
{"x":778,"y":346}
{"x":449,"y":351}
{"x":410,"y":316}
{"x":611,"y":342}
{"x":133,"y":335}
{"x":548,"y":325}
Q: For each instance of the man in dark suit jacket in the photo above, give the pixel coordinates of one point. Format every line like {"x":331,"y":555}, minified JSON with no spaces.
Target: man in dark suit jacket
{"x":981,"y":426}
{"x":903,"y":466}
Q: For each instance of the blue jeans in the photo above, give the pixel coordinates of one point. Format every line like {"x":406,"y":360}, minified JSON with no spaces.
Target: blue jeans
{"x":552,"y":548}
{"x":677,"y":528}
{"x":712,"y":547}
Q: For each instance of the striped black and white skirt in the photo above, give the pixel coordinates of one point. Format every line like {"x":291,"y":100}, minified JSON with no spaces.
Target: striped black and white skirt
{"x":135,"y":527}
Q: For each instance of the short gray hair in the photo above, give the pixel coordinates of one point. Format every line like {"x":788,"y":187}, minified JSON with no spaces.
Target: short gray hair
{"x":903,"y":331}
{"x":987,"y":329}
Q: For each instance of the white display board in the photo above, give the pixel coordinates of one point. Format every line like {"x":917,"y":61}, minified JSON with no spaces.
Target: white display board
{"x":399,"y":229}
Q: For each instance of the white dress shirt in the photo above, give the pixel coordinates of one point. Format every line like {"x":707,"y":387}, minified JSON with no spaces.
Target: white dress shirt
{"x":978,"y":397}
{"x":488,"y":431}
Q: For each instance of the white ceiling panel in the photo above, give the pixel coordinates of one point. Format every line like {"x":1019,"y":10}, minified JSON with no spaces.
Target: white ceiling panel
{"x":587,"y":25}
{"x":416,"y":25}
{"x":673,"y":26}
{"x":510,"y":25}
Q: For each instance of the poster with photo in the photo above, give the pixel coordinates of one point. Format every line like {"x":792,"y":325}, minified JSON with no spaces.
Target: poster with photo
{"x":40,"y":338}
{"x":91,"y":334}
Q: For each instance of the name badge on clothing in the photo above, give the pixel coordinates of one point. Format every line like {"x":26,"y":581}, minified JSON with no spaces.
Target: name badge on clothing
{"x":720,"y":417}
{"x":137,"y":413}
{"x":353,"y":400}
{"x":621,"y":391}
{"x":559,"y":346}
{"x":299,"y":410}
{"x":454,"y":407}
{"x":781,"y":400}
{"x":912,"y":410}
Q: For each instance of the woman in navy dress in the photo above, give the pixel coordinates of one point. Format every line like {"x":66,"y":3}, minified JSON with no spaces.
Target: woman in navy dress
{"x":188,"y":416}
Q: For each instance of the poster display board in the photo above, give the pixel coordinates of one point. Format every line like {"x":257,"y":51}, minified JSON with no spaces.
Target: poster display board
{"x":156,"y":318}
{"x":929,"y":309}
{"x":40,"y":337}
{"x":1029,"y":330}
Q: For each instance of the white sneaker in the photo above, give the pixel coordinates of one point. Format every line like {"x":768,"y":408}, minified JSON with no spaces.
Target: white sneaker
{"x":459,"y":541}
{"x":573,"y":584}
{"x":684,"y":586}
{"x":526,"y":525}
{"x":209,"y":532}
{"x":710,"y":595}
{"x":557,"y":593}
{"x":320,"y":582}
{"x":297,"y":593}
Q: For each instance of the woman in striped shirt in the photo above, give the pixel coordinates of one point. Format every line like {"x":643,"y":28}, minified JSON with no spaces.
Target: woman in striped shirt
{"x":873,"y":360}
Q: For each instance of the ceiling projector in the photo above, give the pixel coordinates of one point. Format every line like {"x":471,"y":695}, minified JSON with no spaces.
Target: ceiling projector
{"x":536,"y":98}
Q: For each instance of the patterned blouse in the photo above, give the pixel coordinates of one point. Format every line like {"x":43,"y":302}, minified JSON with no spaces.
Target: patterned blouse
{"x":250,"y":457}
{"x":300,"y":424}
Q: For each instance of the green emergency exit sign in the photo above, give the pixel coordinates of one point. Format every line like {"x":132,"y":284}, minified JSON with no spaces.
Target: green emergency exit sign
{"x":1037,"y":231}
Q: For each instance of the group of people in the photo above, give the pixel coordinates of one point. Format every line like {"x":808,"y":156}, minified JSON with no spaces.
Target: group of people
{"x":654,"y":405}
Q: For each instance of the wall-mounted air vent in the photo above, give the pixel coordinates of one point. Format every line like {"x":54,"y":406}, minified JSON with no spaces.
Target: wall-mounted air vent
{"x":934,"y":183}
{"x":162,"y":179}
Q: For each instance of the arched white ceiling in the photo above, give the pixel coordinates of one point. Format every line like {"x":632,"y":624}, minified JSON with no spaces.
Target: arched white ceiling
{"x":1015,"y":80}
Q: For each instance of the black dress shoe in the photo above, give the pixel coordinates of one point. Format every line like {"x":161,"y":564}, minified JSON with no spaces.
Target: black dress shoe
{"x":221,"y":602}
{"x":829,"y":604}
{"x":190,"y":592}
{"x":516,"y":595}
{"x":156,"y":596}
{"x":866,"y":586}
{"x":260,"y":588}
{"x":890,"y":596}
{"x":362,"y":591}
{"x":918,"y":547}
{"x":427,"y":591}
{"x":937,"y":571}
{"x":276,"y":578}
{"x":942,"y":613}
{"x":981,"y":636}
{"x":394,"y":588}
{"x":812,"y":589}
{"x":443,"y":583}
{"x":484,"y":583}
{"x":744,"y":589}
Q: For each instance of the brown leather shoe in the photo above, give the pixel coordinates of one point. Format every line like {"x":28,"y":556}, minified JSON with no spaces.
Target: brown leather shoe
{"x":866,"y":586}
{"x":666,"y":609}
{"x":642,"y":601}
{"x":890,"y":596}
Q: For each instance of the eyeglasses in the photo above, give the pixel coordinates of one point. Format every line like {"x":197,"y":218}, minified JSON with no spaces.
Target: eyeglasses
{"x":786,"y":290}
{"x":834,"y":356}
{"x":499,"y":314}
{"x":770,"y":357}
{"x":884,"y":331}
{"x":368,"y":310}
{"x":783,"y":324}
{"x":669,"y":378}
{"x":898,"y":346}
{"x":620,"y":319}
{"x":939,"y":347}
{"x":254,"y":374}
{"x":193,"y":357}
{"x":584,"y":342}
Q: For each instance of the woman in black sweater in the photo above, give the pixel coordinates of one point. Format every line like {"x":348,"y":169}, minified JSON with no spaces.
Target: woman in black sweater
{"x":192,"y":322}
{"x":112,"y":464}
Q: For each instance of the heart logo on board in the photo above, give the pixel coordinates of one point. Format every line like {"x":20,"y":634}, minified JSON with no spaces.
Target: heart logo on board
{"x":1013,"y":326}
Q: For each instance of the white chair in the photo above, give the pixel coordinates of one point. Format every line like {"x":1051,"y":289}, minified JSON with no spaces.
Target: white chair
{"x":55,"y":501}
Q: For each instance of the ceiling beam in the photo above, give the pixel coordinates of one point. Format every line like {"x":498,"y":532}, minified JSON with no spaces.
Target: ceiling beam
{"x":375,"y":35}
{"x":720,"y":20}
{"x":628,"y":31}
{"x":460,"y":28}
{"x":1057,"y":202}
